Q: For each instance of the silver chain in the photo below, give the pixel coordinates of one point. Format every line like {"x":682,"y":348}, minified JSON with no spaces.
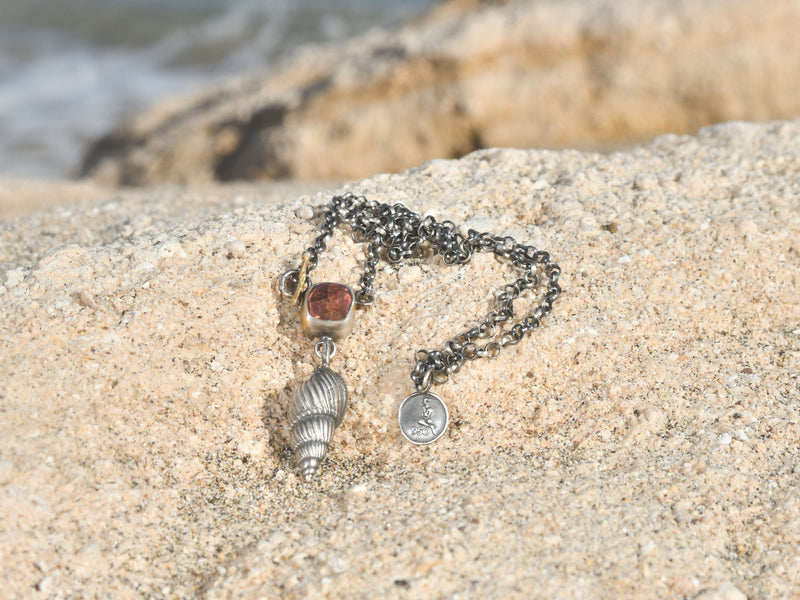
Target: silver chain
{"x":394,"y":233}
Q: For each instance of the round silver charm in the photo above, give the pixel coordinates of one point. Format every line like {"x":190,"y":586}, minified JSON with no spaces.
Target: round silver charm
{"x":423,"y":418}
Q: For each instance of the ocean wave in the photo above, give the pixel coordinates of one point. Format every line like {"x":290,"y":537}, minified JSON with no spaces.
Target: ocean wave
{"x":68,"y":73}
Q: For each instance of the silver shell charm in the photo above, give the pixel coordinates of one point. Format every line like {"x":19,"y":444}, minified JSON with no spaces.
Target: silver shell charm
{"x":314,"y":414}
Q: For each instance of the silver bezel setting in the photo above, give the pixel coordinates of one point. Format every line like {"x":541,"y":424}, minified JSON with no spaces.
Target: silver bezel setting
{"x":315,"y":327}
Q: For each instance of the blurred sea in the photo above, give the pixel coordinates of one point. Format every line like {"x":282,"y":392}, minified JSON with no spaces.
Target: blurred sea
{"x":70,"y":69}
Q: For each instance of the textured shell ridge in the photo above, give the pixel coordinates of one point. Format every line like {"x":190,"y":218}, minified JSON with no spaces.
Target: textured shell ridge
{"x":314,"y":414}
{"x":314,"y":428}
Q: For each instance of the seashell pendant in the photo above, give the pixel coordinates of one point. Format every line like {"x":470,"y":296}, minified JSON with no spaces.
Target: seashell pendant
{"x":314,"y":414}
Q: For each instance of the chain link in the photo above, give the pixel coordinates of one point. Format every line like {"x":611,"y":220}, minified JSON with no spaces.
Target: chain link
{"x":394,"y":233}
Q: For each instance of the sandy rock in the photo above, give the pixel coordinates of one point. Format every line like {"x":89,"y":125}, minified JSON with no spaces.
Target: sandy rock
{"x":553,"y":73}
{"x":727,"y":591}
{"x":88,"y":215}
{"x":145,"y":377}
{"x":20,"y":197}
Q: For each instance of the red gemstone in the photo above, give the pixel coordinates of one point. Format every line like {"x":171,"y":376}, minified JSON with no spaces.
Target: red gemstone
{"x":329,"y":301}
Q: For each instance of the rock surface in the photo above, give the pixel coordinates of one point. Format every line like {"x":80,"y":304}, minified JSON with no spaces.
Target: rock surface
{"x":535,"y":73}
{"x":20,"y":197}
{"x":642,"y":444}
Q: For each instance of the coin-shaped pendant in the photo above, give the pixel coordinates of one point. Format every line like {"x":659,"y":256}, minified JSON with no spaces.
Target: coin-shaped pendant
{"x":423,"y":418}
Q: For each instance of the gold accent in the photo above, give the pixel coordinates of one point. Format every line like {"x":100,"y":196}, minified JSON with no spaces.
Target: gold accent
{"x":301,"y":280}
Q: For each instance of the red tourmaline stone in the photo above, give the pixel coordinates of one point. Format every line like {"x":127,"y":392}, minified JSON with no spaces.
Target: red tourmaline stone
{"x":329,"y":301}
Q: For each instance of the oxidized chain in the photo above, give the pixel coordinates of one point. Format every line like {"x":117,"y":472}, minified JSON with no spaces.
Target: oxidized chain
{"x":394,"y":233}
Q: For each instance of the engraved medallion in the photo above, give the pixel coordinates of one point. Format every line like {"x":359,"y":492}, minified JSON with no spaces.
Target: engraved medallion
{"x":423,"y":418}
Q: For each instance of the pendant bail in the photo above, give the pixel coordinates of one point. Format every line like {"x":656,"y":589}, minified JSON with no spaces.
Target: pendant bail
{"x":426,"y":383}
{"x":325,"y":349}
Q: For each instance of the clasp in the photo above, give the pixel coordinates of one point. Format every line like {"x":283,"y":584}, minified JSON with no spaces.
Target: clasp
{"x":289,"y":282}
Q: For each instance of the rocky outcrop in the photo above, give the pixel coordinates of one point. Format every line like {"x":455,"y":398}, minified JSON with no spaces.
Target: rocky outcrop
{"x":642,"y":443}
{"x":20,"y":197}
{"x":552,"y":73}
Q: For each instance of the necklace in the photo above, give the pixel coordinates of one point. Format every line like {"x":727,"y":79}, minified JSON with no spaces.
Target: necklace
{"x":396,"y":234}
